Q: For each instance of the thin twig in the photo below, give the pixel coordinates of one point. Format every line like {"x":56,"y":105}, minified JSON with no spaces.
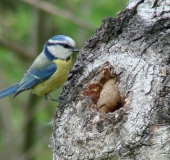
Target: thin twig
{"x":48,"y":7}
{"x":18,"y":50}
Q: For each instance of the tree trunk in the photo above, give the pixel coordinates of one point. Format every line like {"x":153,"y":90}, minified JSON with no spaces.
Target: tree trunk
{"x":122,"y":106}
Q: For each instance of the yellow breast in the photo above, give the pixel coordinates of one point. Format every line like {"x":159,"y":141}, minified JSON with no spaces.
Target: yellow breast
{"x":56,"y":80}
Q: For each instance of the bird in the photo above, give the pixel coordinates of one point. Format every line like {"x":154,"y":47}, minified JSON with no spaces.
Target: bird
{"x":48,"y":71}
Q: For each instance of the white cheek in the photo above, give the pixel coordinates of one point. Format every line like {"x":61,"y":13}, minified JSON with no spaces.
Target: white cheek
{"x":55,"y":50}
{"x":59,"y":51}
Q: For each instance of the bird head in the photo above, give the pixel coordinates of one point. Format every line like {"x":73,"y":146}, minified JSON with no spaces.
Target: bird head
{"x":59,"y":47}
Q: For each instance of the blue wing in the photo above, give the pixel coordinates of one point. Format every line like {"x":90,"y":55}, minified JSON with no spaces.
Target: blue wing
{"x":7,"y":91}
{"x":35,"y":76}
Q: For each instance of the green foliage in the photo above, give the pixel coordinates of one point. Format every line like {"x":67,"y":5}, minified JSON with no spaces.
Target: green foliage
{"x":28,"y":28}
{"x":21,"y":25}
{"x":7,"y":61}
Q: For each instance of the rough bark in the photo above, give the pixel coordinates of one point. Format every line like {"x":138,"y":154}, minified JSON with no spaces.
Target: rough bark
{"x":133,"y":52}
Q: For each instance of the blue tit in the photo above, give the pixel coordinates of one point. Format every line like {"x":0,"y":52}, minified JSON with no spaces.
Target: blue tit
{"x":49,"y":70}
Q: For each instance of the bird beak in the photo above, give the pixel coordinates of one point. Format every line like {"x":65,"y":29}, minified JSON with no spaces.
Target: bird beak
{"x":75,"y":49}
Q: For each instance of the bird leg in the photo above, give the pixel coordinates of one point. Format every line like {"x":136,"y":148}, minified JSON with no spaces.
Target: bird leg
{"x":48,"y":97}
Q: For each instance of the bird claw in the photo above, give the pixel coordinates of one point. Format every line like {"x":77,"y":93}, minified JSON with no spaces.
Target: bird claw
{"x":48,"y":97}
{"x":60,"y":101}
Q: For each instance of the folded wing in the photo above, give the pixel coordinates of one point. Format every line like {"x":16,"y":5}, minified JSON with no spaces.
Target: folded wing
{"x":35,"y":76}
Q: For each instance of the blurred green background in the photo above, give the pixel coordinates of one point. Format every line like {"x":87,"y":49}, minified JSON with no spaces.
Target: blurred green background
{"x":25,"y":26}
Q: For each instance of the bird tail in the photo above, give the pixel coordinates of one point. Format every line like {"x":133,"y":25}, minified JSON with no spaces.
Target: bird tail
{"x":7,"y":91}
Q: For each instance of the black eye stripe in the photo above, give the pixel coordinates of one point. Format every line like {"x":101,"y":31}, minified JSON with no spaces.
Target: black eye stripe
{"x":65,"y":45}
